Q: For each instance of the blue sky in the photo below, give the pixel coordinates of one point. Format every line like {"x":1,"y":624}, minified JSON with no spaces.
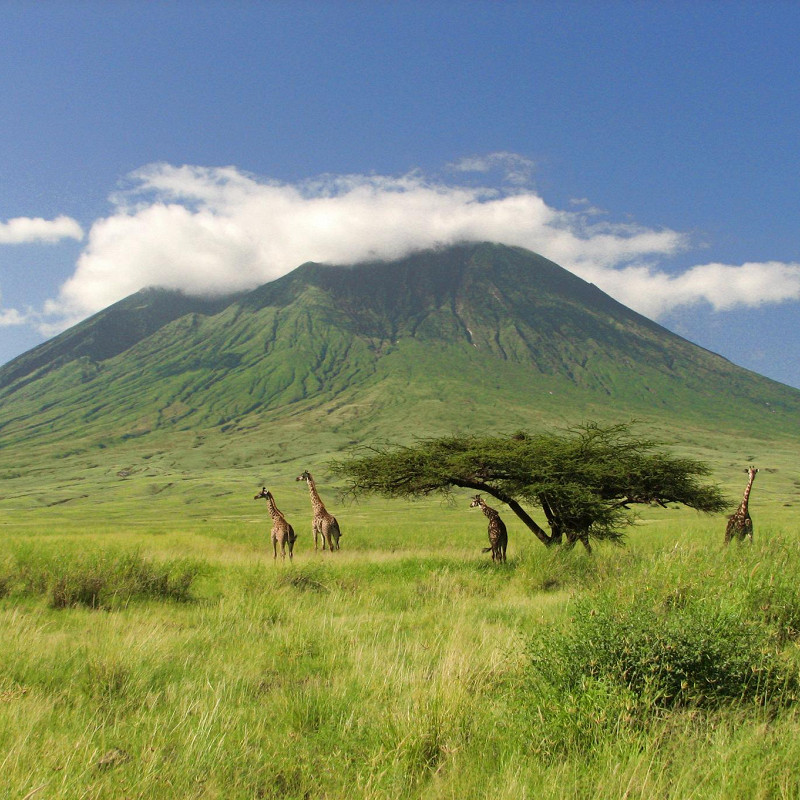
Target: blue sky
{"x":651,"y":148}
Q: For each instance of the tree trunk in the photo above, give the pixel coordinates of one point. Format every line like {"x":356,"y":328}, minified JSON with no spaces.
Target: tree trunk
{"x":574,"y":538}
{"x":556,"y":533}
{"x":530,"y":523}
{"x":556,"y":526}
{"x":528,"y":520}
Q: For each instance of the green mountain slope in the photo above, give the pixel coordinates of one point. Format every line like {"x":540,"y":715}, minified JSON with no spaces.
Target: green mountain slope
{"x":473,"y":336}
{"x":108,"y":333}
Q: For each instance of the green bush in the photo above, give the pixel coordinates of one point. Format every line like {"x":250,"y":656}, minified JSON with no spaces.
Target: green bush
{"x":105,"y":581}
{"x":308,"y":578}
{"x":665,"y":656}
{"x":98,"y":579}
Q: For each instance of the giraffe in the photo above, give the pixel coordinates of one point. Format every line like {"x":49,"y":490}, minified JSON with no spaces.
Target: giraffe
{"x":282,"y":532}
{"x":323,"y":524}
{"x":740,"y":526}
{"x":498,"y":536}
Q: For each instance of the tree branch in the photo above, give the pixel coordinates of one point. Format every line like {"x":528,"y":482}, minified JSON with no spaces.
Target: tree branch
{"x":486,"y":488}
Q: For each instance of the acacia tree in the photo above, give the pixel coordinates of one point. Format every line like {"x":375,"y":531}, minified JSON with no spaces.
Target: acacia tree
{"x":583,"y":479}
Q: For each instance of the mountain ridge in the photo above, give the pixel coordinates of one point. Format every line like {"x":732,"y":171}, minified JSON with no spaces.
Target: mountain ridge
{"x":110,"y":331}
{"x":475,"y":334}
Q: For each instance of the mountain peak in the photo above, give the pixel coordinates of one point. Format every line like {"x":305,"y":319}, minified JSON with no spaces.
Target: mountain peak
{"x":476,"y":331}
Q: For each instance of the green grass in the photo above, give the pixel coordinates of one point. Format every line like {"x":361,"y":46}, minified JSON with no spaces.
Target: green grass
{"x":101,"y":579}
{"x":401,"y":667}
{"x":151,"y":648}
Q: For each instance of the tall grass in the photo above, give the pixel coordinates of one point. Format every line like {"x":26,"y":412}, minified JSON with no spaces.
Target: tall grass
{"x":389,"y":671}
{"x":95,"y":578}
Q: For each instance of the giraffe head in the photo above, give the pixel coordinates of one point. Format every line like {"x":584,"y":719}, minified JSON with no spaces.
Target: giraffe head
{"x":751,"y":471}
{"x":263,"y":493}
{"x":474,"y":502}
{"x":304,"y":476}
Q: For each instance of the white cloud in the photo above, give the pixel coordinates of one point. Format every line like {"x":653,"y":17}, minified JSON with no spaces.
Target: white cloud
{"x":516,"y":169}
{"x":722,"y":286}
{"x":10,"y":317}
{"x":216,"y":230}
{"x":25,"y":230}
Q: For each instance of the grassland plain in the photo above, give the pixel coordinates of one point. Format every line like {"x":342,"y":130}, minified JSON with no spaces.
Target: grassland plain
{"x":151,"y":648}
{"x":401,"y":667}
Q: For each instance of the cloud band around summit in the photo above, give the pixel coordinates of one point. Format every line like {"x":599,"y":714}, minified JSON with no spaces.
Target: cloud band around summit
{"x":216,"y":230}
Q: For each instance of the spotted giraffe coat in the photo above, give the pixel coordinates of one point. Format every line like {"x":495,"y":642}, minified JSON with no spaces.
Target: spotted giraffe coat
{"x":323,"y":523}
{"x":498,"y":535}
{"x":282,"y":532}
{"x":740,"y":524}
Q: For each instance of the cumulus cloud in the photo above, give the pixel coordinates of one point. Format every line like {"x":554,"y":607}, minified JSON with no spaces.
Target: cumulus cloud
{"x":655,"y":293}
{"x":722,"y":286}
{"x":217,"y":230}
{"x":26,"y":230}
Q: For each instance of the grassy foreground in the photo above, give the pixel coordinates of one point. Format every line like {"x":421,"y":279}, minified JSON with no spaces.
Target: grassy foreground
{"x":148,"y":660}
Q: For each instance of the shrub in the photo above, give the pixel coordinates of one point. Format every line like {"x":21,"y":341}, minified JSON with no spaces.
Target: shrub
{"x":99,"y":579}
{"x":688,"y":654}
{"x":104,"y":581}
{"x":304,"y":579}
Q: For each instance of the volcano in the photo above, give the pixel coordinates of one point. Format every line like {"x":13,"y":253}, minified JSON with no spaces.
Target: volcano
{"x":477,"y":335}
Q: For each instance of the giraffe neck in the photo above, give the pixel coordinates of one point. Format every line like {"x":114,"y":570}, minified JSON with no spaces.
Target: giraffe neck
{"x":273,"y":509}
{"x":746,"y":497}
{"x":316,"y":503}
{"x":489,"y":512}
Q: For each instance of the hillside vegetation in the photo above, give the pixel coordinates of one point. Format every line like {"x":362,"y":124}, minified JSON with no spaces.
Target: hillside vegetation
{"x":150,"y":647}
{"x":479,"y":338}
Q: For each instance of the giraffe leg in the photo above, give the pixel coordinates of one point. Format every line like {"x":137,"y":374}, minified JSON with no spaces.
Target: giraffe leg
{"x":323,"y":535}
{"x":281,"y":540}
{"x":729,"y":531}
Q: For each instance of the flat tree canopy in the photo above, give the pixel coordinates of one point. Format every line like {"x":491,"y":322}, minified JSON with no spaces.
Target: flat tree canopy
{"x":583,"y":479}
